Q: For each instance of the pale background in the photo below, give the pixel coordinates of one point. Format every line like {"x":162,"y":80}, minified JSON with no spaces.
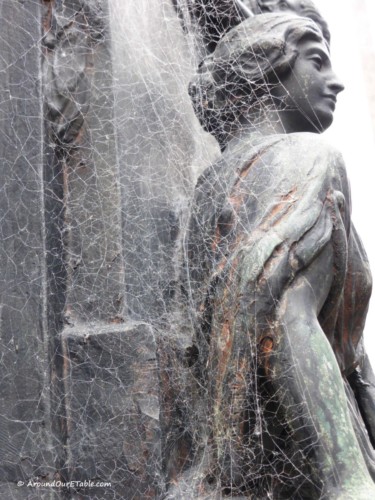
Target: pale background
{"x":352,"y":25}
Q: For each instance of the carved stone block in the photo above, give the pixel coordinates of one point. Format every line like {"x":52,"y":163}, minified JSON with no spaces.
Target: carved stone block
{"x":112,"y":410}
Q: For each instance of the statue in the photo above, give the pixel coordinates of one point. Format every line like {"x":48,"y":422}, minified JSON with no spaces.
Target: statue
{"x":277,"y":276}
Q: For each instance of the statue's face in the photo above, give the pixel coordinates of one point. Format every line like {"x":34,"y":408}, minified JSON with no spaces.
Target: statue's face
{"x":308,"y":93}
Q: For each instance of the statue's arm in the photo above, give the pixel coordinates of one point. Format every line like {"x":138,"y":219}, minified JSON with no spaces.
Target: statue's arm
{"x":305,"y":372}
{"x":362,"y":381}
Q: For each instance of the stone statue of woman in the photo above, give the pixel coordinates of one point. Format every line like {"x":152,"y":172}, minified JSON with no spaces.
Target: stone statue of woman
{"x":277,"y":277}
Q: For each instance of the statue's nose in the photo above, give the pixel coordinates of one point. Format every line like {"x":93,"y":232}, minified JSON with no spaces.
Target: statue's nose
{"x":336,"y":84}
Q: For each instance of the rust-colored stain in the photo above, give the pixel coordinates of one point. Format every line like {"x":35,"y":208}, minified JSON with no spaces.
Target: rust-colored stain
{"x":47,"y":18}
{"x":67,"y":422}
{"x":236,"y":199}
{"x":225,"y":348}
{"x":220,"y":266}
{"x":149,"y":493}
{"x":266,"y":348}
{"x":225,"y":338}
{"x":267,"y":345}
{"x":280,"y":210}
{"x":117,"y":320}
{"x":80,"y":135}
{"x":247,"y":168}
{"x":216,"y":239}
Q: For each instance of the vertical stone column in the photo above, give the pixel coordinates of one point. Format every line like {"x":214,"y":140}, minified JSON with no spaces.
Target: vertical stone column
{"x":26,"y":440}
{"x":106,"y":400}
{"x":161,"y":150}
{"x":100,"y":148}
{"x":161,"y":145}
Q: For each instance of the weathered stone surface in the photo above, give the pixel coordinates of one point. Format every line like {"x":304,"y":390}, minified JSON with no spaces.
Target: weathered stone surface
{"x":112,"y":405}
{"x":79,"y":96}
{"x":160,"y":146}
{"x":25,"y":428}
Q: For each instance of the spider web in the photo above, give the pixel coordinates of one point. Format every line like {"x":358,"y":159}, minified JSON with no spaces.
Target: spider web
{"x":105,"y":388}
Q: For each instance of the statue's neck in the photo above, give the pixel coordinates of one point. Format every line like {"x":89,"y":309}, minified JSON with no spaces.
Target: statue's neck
{"x":259,"y":126}
{"x":270,"y":122}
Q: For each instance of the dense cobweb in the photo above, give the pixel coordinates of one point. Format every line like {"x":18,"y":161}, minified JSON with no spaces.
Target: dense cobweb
{"x":109,"y":300}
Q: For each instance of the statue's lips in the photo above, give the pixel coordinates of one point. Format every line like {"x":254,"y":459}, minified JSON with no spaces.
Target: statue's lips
{"x":331,"y":97}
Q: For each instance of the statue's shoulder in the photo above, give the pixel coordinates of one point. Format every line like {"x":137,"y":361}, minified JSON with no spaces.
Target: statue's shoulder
{"x":308,"y":154}
{"x":310,"y":144}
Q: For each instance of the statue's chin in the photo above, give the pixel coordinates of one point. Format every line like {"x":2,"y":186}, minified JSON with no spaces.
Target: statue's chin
{"x":319,"y":123}
{"x":324,"y":117}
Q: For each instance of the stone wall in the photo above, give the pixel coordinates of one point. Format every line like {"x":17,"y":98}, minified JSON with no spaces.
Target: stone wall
{"x":100,"y":153}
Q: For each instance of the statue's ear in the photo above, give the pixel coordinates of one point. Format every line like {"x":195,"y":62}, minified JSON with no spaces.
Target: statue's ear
{"x":267,"y":5}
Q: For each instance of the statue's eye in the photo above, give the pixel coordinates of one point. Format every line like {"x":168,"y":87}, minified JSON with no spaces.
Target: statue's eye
{"x":318,"y":61}
{"x":283,"y":5}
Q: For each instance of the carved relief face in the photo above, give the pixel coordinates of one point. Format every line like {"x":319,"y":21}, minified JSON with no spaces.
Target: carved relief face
{"x":308,"y":94}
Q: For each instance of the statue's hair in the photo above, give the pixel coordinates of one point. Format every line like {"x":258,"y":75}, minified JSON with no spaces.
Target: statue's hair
{"x":247,"y":61}
{"x":304,"y":8}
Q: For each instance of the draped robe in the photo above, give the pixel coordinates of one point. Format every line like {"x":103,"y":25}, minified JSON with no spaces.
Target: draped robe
{"x":261,"y":216}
